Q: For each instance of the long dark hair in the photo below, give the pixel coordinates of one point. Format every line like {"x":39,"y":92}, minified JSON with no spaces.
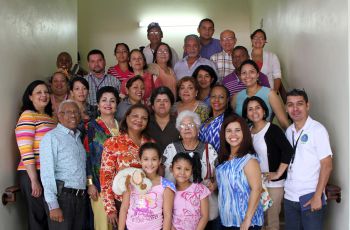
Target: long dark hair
{"x":195,"y":163}
{"x":124,"y":126}
{"x":27,"y":104}
{"x":260,"y":102}
{"x":246,"y":145}
{"x":169,"y":62}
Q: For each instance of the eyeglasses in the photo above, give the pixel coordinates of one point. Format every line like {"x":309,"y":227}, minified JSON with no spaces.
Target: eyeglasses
{"x":154,"y":33}
{"x":187,"y":126}
{"x":162,"y":52}
{"x":258,"y":38}
{"x":228,"y":39}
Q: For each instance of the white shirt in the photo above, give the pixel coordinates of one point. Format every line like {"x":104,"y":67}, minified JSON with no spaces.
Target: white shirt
{"x":304,"y":171}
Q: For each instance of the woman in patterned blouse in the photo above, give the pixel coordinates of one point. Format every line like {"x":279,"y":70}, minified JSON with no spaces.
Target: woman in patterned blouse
{"x":122,"y":152}
{"x":35,"y":121}
{"x":238,"y":177}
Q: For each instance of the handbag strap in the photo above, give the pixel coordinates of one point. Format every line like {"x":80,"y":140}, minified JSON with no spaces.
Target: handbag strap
{"x":208,"y":176}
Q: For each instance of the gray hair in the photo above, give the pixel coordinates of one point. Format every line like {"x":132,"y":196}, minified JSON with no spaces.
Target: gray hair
{"x":194,"y":37}
{"x":69,"y":101}
{"x":187,"y":114}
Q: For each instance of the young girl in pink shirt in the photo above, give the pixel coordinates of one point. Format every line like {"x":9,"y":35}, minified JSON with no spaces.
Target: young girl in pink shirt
{"x":152,"y":210}
{"x":191,"y":204}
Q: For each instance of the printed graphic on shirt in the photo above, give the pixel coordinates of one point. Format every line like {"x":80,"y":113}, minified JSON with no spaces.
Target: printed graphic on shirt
{"x":143,"y":206}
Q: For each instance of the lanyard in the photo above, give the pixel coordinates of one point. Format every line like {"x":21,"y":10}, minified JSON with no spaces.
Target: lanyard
{"x":295,"y":147}
{"x":95,"y":83}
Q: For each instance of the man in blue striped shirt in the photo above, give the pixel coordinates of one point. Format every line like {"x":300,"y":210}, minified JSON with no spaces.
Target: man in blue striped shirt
{"x":63,"y":174}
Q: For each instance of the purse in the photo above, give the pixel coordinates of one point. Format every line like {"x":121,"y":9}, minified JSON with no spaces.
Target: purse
{"x":265,"y":199}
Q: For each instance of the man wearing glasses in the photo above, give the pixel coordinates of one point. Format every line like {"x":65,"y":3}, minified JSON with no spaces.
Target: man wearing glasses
{"x":309,"y":169}
{"x":155,"y":35}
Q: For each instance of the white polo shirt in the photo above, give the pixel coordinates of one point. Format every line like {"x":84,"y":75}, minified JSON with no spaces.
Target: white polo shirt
{"x":312,"y":147}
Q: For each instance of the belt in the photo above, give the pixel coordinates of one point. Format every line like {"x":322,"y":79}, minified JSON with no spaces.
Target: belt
{"x":75,"y":192}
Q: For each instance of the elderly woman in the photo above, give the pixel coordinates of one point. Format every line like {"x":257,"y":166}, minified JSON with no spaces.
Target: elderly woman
{"x":267,"y":61}
{"x":35,"y":121}
{"x":121,"y":152}
{"x":162,"y":66}
{"x":210,"y":129}
{"x":121,"y":69}
{"x":135,"y":90}
{"x":249,"y":75}
{"x":238,"y":177}
{"x":188,"y":123}
{"x":206,"y":79}
{"x":187,"y":91}
{"x":100,"y":129}
{"x":274,"y":151}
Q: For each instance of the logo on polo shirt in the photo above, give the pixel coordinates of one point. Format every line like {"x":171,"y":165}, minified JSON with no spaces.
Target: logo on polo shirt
{"x":304,"y":138}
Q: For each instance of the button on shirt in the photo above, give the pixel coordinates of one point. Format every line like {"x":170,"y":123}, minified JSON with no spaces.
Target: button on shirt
{"x":97,"y":83}
{"x":182,"y":69}
{"x":224,"y":64}
{"x":63,"y":157}
{"x":312,"y":147}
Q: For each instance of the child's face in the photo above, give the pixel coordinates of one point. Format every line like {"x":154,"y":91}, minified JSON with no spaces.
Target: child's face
{"x":150,"y":161}
{"x":182,"y":171}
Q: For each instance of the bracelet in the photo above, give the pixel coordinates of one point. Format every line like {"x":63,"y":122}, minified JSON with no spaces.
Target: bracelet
{"x":89,"y":182}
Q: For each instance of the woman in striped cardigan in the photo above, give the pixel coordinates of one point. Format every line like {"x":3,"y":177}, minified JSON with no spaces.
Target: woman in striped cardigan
{"x":34,"y":122}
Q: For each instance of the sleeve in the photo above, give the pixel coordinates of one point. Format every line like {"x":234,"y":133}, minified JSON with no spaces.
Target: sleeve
{"x":283,"y":144}
{"x":203,"y":111}
{"x":168,"y":156}
{"x":263,"y":80}
{"x":107,"y":174}
{"x":204,"y":191}
{"x":48,"y":155}
{"x":276,"y":68}
{"x":168,"y":184}
{"x":109,"y":71}
{"x":25,"y":135}
{"x":322,"y":144}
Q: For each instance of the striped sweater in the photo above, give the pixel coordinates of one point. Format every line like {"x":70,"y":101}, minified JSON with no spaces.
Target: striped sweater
{"x":30,"y":129}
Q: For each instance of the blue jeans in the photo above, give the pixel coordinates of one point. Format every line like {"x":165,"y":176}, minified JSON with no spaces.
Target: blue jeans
{"x":295,"y":219}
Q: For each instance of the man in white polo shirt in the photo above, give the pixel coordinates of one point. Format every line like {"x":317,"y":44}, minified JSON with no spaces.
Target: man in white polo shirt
{"x":310,"y":166}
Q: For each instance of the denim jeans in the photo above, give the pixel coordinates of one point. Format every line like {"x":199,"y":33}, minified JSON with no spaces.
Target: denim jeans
{"x":295,"y":219}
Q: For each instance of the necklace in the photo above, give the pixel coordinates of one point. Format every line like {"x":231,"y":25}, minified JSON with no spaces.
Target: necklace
{"x":113,"y":130}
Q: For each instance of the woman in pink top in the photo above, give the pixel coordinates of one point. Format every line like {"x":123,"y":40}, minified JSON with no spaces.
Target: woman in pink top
{"x":121,"y":69}
{"x":152,"y":210}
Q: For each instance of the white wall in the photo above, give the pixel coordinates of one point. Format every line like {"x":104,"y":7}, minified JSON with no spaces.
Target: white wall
{"x":102,"y":24}
{"x":32,"y":33}
{"x":311,"y":40}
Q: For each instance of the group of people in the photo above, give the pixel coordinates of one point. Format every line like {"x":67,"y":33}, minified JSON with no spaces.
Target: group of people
{"x":199,"y":127}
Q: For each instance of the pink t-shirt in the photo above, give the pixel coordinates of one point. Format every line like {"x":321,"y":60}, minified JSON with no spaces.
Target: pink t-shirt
{"x":146,"y":211}
{"x":187,"y":206}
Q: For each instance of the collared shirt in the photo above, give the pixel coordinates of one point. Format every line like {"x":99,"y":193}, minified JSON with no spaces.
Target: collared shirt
{"x":182,"y":69}
{"x":163,"y":137}
{"x":63,"y":157}
{"x":234,"y":85}
{"x":148,"y":52}
{"x":304,"y":171}
{"x":97,"y":83}
{"x":211,"y":48}
{"x":224,"y":64}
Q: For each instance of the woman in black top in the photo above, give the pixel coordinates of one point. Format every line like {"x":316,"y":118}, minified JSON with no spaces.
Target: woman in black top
{"x":274,"y":152}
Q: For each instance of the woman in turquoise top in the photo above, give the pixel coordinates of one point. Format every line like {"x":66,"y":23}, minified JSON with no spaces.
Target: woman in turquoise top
{"x":238,"y":177}
{"x":249,"y":73}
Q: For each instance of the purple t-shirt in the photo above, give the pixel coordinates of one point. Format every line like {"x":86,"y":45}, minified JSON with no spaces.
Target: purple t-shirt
{"x":211,"y":48}
{"x":234,"y":85}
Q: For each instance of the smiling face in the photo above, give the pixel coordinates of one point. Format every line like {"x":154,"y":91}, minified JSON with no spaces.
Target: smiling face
{"x":218,"y":100}
{"x":188,"y":129}
{"x":192,"y":47}
{"x":136,"y":91}
{"x":40,"y":97}
{"x":163,"y":54}
{"x":150,"y":161}
{"x":69,"y":116}
{"x":297,"y":108}
{"x":227,"y":41}
{"x":204,"y":79}
{"x":107,"y":104}
{"x":249,"y":75}
{"x":255,"y":112}
{"x":136,"y":61}
{"x":64,"y":61}
{"x":79,"y":92}
{"x":182,"y":171}
{"x":258,"y":40}
{"x":137,"y":120}
{"x":59,"y":84}
{"x":238,"y":57}
{"x":234,"y":135}
{"x":187,"y":92}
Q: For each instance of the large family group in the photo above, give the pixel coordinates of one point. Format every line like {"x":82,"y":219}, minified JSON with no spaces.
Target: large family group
{"x":189,"y":142}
